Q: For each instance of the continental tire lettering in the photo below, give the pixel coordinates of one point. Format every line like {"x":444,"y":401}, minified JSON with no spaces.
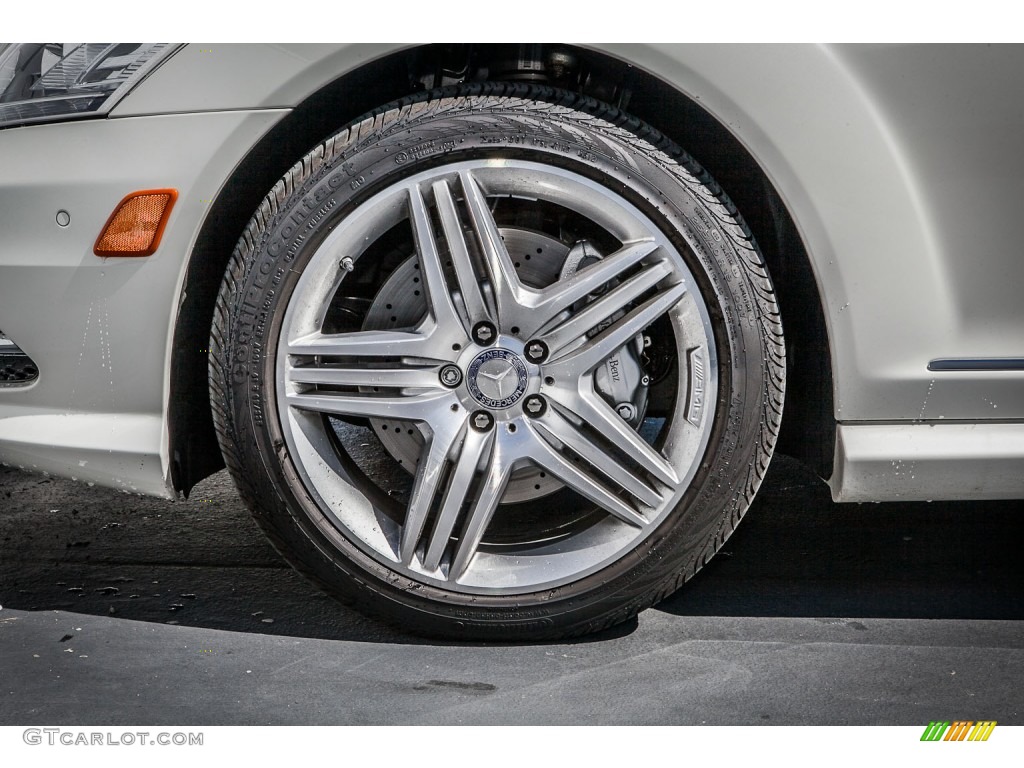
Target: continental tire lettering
{"x":297,"y":217}
{"x":305,"y":207}
{"x":252,"y":298}
{"x":262,"y":272}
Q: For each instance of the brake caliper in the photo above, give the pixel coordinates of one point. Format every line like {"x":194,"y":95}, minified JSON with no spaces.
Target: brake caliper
{"x":621,"y":379}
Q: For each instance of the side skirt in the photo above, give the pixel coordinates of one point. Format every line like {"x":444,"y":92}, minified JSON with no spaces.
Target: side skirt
{"x":928,"y":461}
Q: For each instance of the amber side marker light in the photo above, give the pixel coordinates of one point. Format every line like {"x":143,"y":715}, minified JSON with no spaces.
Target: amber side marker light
{"x":136,"y":225}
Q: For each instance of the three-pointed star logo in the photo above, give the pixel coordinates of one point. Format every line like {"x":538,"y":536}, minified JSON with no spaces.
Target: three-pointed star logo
{"x":497,"y":379}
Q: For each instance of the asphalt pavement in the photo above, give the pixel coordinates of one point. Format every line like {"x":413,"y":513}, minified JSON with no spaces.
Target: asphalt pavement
{"x":123,"y":610}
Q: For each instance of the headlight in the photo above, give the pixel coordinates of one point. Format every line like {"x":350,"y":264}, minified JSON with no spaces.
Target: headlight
{"x":42,"y":82}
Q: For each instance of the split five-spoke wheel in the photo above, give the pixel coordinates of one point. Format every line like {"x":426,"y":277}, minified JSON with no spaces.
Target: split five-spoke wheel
{"x":497,"y":375}
{"x":473,"y":377}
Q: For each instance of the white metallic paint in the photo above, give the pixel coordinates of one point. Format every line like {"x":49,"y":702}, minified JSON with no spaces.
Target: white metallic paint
{"x":101,"y":329}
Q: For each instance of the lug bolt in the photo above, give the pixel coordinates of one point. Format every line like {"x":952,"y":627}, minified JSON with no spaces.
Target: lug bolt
{"x":484,"y":334}
{"x":451,"y":376}
{"x":534,"y":405}
{"x":645,"y":380}
{"x":482,"y":421}
{"x":346,"y":264}
{"x":536,"y":351}
{"x":626,"y":410}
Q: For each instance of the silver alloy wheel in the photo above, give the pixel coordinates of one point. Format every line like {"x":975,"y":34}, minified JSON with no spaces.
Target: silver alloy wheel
{"x":511,"y":407}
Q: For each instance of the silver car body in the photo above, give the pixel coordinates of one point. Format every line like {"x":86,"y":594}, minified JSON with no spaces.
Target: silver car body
{"x":901,"y":167}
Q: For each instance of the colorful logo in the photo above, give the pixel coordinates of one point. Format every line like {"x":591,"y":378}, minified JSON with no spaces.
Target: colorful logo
{"x":958,"y":730}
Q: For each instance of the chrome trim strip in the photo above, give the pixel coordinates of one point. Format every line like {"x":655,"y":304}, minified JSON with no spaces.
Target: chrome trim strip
{"x":977,"y":364}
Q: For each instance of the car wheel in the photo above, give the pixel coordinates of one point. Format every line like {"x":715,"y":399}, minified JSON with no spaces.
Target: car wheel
{"x":497,"y":362}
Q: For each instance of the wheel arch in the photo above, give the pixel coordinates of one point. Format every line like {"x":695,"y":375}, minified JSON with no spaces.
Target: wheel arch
{"x":808,"y":424}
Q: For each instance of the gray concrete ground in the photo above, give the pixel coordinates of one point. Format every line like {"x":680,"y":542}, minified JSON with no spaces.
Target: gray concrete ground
{"x":124,"y":610}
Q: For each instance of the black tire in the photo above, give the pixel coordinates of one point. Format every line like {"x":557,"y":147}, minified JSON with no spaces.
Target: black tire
{"x":587,"y":143}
